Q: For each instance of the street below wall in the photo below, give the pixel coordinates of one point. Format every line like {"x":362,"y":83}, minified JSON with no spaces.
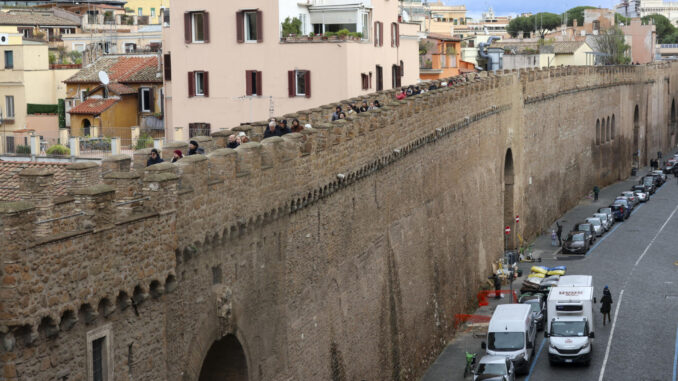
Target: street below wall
{"x":638,"y":260}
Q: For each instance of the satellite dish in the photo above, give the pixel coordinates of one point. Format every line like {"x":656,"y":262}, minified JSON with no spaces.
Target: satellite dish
{"x":103,"y":77}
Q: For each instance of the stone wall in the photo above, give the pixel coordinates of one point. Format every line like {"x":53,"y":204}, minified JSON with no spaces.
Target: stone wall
{"x":339,"y":253}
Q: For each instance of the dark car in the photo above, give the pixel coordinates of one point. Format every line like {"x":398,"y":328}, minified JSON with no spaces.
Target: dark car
{"x":620,"y":211}
{"x":538,"y":305}
{"x":668,"y":167}
{"x":577,"y":242}
{"x":649,"y":183}
{"x":625,"y":200}
{"x":656,"y":180}
{"x":588,"y":229}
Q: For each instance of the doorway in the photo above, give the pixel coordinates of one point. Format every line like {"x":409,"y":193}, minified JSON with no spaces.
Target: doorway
{"x":225,"y":361}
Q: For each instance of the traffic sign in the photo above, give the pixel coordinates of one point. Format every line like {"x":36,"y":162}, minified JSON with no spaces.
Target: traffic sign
{"x":507,"y":230}
{"x":517,"y":218}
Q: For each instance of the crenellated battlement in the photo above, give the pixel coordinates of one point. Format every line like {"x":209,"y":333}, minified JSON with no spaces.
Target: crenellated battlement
{"x":110,"y":242}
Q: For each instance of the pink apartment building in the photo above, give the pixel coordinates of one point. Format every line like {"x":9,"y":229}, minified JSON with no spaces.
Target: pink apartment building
{"x":227,"y":63}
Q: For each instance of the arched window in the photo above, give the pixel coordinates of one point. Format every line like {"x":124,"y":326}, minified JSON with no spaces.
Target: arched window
{"x":612,"y":128}
{"x":598,"y":131}
{"x":607,"y":129}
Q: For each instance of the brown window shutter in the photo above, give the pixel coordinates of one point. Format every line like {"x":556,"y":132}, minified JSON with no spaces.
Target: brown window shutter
{"x":206,"y":26}
{"x":259,"y":83}
{"x":290,"y":84}
{"x":168,"y":67}
{"x":151,"y":99}
{"x":370,"y":80}
{"x":376,"y":33}
{"x":188,"y":35}
{"x":260,"y":26}
{"x":402,"y":68}
{"x":397,"y":79}
{"x":206,"y":79}
{"x":307,"y":77}
{"x":191,"y":84}
{"x":381,"y":33}
{"x":248,"y":82}
{"x":240,"y":26}
{"x":140,"y":100}
{"x":397,"y":38}
{"x":392,"y":34}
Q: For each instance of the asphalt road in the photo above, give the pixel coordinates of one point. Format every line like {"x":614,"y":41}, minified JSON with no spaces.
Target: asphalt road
{"x":638,"y":260}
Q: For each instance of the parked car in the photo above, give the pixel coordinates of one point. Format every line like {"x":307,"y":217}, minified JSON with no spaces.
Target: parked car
{"x":577,"y":242}
{"x":661,"y":174}
{"x":648,"y":183}
{"x":538,"y":304}
{"x":495,"y":368}
{"x":604,"y":218}
{"x":631,"y":196}
{"x":656,"y":180}
{"x":597,"y":225}
{"x":621,"y":212}
{"x":643,"y":195}
{"x":588,"y":228}
{"x":609,"y":213}
{"x":668,"y":166}
{"x":627,"y":203}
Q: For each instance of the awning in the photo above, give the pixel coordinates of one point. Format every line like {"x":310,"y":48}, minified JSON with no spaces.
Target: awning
{"x":335,"y":17}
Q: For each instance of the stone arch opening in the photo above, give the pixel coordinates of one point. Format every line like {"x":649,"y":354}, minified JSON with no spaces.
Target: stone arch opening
{"x":597,"y":131}
{"x":508,"y":196}
{"x":612,"y":128}
{"x":225,"y":360}
{"x":636,"y":136}
{"x":607,"y":130}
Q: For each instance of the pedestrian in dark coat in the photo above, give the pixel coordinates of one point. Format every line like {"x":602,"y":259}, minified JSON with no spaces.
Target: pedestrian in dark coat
{"x":194,"y":148}
{"x":154,"y":158}
{"x":606,"y":304}
{"x":559,"y":232}
{"x":497,"y":285}
{"x":596,"y":191}
{"x":272,"y":130}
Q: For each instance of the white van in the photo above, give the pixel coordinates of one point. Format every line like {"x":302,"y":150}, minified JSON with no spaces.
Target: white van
{"x":571,"y":326}
{"x":512,"y":333}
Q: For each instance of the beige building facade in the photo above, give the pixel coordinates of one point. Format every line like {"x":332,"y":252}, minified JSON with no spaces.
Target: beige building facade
{"x":25,"y":78}
{"x":221,"y":74}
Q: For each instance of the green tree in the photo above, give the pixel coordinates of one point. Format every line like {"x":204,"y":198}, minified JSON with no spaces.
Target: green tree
{"x":292,"y":26}
{"x":664,"y":27}
{"x":612,"y":44}
{"x":620,"y":19}
{"x":544,"y":22}
{"x":520,"y":25}
{"x":576,"y":13}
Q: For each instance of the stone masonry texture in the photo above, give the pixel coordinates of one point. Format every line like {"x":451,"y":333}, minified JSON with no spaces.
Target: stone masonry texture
{"x":341,"y":253}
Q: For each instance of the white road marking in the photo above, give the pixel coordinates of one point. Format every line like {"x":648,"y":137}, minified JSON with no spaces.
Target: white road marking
{"x":609,"y":340}
{"x":655,"y":237}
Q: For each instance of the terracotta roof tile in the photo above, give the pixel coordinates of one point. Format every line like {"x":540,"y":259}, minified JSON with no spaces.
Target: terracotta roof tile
{"x":32,"y":19}
{"x":9,"y":177}
{"x":121,"y":89}
{"x":93,"y":106}
{"x":123,"y":69}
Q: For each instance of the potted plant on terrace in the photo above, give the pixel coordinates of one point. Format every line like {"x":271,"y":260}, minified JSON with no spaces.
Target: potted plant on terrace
{"x":291,"y":28}
{"x":316,"y":37}
{"x":331,"y":36}
{"x":343,"y":34}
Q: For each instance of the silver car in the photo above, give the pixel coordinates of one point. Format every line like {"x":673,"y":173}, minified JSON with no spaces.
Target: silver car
{"x":495,"y":368}
{"x":607,"y":222}
{"x":607,"y":211}
{"x":631,"y":196}
{"x":597,"y":225}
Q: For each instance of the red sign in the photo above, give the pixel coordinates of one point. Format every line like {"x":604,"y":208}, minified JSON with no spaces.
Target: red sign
{"x":507,"y":230}
{"x":517,"y":218}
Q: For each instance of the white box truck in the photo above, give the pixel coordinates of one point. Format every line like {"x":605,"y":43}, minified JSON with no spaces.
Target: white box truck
{"x":570,"y":327}
{"x":575,"y":281}
{"x":512,"y":333}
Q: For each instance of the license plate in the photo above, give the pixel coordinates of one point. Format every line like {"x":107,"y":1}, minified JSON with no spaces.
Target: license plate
{"x":568,"y":360}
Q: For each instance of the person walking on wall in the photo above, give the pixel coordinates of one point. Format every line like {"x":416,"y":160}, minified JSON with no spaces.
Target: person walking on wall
{"x":596,"y":191}
{"x":559,"y":232}
{"x":606,"y":304}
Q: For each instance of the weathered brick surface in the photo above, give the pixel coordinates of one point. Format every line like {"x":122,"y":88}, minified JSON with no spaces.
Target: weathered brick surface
{"x":339,"y":253}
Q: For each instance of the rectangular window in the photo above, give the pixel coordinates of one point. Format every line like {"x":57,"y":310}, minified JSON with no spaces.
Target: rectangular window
{"x":152,"y":12}
{"x":299,"y":83}
{"x":140,"y":12}
{"x":166,"y":16}
{"x":380,"y":78}
{"x":366,"y":25}
{"x":100,"y":354}
{"x":145,"y":99}
{"x":251,"y":25}
{"x":253,"y":82}
{"x":302,"y":18}
{"x":9,"y":144}
{"x":83,"y":95}
{"x":198,"y":27}
{"x":130,"y":47}
{"x":199,"y":129}
{"x":9,"y":106}
{"x":9,"y":59}
{"x":168,"y":67}
{"x":365,"y":81}
{"x":199,"y":83}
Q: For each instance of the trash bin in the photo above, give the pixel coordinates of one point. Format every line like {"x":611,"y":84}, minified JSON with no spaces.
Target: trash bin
{"x":634,"y":171}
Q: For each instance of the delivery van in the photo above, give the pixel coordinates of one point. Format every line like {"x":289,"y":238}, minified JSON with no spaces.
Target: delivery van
{"x":512,"y":333}
{"x":575,"y":281}
{"x":570,"y":327}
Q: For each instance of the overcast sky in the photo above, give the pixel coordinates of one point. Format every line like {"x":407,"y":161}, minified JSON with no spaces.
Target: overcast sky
{"x":513,"y":7}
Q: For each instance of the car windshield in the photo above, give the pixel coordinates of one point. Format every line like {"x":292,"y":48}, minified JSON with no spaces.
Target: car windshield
{"x":639,"y":188}
{"x":505,"y":341}
{"x":602,"y":216}
{"x":568,"y":328}
{"x":605,"y":210}
{"x":594,"y":221}
{"x":499,"y":369}
{"x":648,"y":181}
{"x":578,"y":237}
{"x":584,"y":227}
